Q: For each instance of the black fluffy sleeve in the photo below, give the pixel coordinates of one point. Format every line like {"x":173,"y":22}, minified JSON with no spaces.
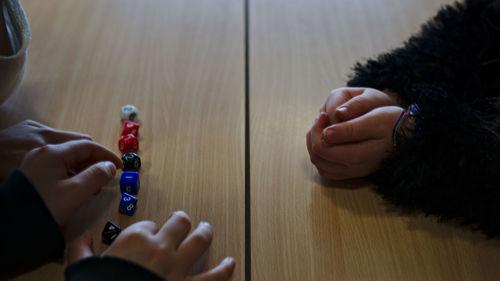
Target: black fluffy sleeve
{"x":29,"y":236}
{"x":109,"y":268}
{"x":450,"y":167}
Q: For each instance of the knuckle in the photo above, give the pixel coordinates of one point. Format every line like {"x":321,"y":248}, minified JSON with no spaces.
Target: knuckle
{"x":356,"y":102}
{"x":134,"y":234}
{"x":44,"y":149}
{"x":346,"y":93}
{"x":349,"y":130}
{"x":100,"y":171}
{"x":32,"y":123}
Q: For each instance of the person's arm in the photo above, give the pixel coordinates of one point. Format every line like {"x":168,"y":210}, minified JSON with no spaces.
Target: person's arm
{"x":449,"y":166}
{"x":37,"y":200}
{"x":29,"y":236}
{"x":107,"y":268}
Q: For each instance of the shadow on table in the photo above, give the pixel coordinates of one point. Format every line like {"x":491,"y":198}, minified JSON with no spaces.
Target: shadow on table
{"x":358,"y":197}
{"x":19,"y":107}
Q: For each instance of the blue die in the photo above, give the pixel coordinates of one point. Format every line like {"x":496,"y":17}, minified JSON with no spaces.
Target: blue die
{"x":128,"y":204}
{"x":129,"y":182}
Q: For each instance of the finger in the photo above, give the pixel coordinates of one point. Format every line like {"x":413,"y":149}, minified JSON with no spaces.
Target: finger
{"x":324,"y":167}
{"x":80,"y":248}
{"x":316,"y":133}
{"x":92,"y":179}
{"x":327,"y":166}
{"x":361,"y":104}
{"x":34,"y":124}
{"x":374,"y":125}
{"x":357,"y":154}
{"x":77,"y":152}
{"x":175,"y":230}
{"x":338,"y":97}
{"x":222,"y":272}
{"x":195,"y":244}
{"x":58,"y":136}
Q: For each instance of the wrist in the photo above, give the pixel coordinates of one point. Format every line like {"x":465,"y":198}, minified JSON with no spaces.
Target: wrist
{"x":405,"y":125}
{"x":396,"y":99}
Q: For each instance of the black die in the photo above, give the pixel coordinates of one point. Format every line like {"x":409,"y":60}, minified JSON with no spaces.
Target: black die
{"x":131,"y":162}
{"x":110,"y":232}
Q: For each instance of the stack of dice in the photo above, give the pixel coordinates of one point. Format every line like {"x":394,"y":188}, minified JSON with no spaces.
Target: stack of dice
{"x":129,"y":181}
{"x":129,"y":145}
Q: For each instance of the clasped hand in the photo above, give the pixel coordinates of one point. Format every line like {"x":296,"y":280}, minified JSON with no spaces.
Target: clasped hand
{"x":353,"y":133}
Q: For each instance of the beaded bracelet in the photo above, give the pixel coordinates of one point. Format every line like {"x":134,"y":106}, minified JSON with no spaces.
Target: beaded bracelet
{"x":411,"y":111}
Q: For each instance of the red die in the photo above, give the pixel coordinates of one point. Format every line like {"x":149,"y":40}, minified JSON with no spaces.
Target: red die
{"x":128,"y":143}
{"x":130,"y":127}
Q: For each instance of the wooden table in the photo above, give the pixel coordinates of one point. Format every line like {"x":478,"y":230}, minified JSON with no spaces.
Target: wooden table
{"x":184,"y":65}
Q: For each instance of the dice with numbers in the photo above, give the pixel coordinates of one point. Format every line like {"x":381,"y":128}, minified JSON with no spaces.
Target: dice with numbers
{"x":128,"y":204}
{"x":129,"y":112}
{"x":128,"y":143}
{"x":130,"y":127}
{"x":131,"y":162}
{"x":110,"y":232}
{"x":130,"y":183}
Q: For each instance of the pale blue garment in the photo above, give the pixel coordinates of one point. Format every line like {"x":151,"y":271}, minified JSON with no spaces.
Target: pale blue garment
{"x":12,"y":67}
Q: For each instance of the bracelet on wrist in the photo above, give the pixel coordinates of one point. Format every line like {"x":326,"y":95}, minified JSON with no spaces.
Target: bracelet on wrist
{"x":410,"y":112}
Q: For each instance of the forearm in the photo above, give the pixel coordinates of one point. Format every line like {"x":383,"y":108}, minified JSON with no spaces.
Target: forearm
{"x":449,"y":164}
{"x":29,"y":236}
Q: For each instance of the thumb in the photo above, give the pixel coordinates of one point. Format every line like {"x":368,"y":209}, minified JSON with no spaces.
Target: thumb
{"x":90,"y":180}
{"x":362,"y":104}
{"x":376,"y":124}
{"x":80,"y":248}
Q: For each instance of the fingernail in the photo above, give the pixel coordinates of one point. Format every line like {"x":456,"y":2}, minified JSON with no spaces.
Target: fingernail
{"x":173,"y":213}
{"x":328,"y":134}
{"x":111,"y":168}
{"x":343,"y":112}
{"x":228,"y":260}
{"x":205,"y":224}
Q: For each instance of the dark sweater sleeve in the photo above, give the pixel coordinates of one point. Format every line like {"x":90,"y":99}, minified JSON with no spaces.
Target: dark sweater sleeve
{"x":29,"y":236}
{"x":109,"y":268}
{"x":450,"y":166}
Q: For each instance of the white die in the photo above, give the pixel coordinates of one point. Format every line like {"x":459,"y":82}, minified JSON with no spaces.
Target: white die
{"x":129,"y":112}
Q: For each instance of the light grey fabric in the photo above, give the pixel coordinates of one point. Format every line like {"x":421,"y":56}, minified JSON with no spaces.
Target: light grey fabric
{"x":12,"y":67}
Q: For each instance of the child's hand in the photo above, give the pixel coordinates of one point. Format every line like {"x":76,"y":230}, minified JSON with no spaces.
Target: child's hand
{"x":353,"y":148}
{"x":347,"y":103}
{"x":67,"y":174}
{"x":167,"y":251}
{"x":17,"y":140}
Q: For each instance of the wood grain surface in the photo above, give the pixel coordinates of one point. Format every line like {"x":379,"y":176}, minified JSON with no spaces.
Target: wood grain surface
{"x":182,"y":64}
{"x":306,"y":229}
